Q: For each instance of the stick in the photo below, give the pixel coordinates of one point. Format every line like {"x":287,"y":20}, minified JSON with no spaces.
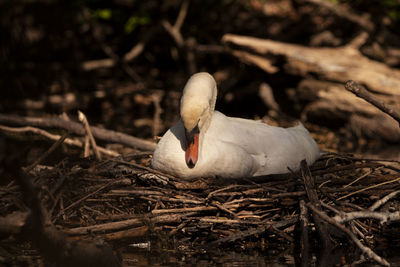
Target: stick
{"x":55,"y":137}
{"x":112,"y":226}
{"x":382,"y":201}
{"x":85,"y":122}
{"x":367,"y":188}
{"x":174,"y":31}
{"x":47,"y":153}
{"x":77,"y":128}
{"x":356,"y":89}
{"x":304,"y":245}
{"x":309,"y":183}
{"x":384,"y":217}
{"x":52,"y":244}
{"x":370,"y":253}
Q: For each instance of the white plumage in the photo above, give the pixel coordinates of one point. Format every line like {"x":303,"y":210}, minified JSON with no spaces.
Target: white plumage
{"x":228,"y":147}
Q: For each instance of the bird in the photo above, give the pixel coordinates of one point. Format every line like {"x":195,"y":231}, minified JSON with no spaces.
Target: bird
{"x":207,"y":143}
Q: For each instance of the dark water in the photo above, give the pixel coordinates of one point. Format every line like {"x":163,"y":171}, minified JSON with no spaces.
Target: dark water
{"x":340,"y":256}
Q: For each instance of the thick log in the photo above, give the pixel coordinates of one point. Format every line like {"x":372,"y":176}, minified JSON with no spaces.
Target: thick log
{"x":338,"y":64}
{"x":330,"y":101}
{"x":327,"y":97}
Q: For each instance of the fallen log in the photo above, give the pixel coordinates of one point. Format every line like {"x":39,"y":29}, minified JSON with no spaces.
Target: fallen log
{"x":333,"y":66}
{"x":330,"y":101}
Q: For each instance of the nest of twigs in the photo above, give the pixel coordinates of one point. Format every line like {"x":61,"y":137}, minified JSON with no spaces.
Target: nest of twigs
{"x":121,"y":199}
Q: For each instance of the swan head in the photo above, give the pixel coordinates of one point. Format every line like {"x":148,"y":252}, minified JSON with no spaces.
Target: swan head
{"x":197,"y":106}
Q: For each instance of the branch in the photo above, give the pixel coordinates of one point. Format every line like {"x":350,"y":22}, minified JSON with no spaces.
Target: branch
{"x":362,"y":21}
{"x":175,"y":31}
{"x":366,"y":250}
{"x":383,"y":217}
{"x":47,"y":153}
{"x":77,"y":128}
{"x":54,"y":247}
{"x":382,"y":201}
{"x":356,"y":89}
{"x":133,"y":53}
{"x":55,"y":137}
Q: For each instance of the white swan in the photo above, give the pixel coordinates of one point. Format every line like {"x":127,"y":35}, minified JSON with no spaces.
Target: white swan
{"x":206,"y":143}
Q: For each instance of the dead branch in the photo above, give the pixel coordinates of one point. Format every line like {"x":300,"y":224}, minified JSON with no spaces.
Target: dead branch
{"x":113,"y":59}
{"x":55,"y":137}
{"x":248,"y":233}
{"x":47,"y":153}
{"x":51,"y":243}
{"x":174,"y":30}
{"x":173,"y":218}
{"x":309,"y":183}
{"x":157,"y":123}
{"x":356,"y":89}
{"x":337,"y":103}
{"x":383,"y":217}
{"x":338,"y":64}
{"x":368,"y":187}
{"x":87,"y":196}
{"x":77,"y":128}
{"x":366,"y":250}
{"x":345,"y":13}
{"x":382,"y":201}
{"x":85,"y":123}
{"x":117,"y":205}
{"x":126,"y":234}
{"x":304,"y":244}
{"x":188,"y":45}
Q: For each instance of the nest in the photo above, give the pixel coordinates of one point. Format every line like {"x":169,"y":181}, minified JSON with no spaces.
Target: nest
{"x":121,"y":199}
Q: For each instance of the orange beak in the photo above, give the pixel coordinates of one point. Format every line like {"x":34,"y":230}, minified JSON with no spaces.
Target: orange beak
{"x":192,"y":147}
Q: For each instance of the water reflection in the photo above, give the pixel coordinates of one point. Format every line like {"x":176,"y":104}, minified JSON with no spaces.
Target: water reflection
{"x":339,"y":256}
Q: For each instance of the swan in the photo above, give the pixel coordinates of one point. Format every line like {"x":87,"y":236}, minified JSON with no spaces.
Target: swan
{"x":206,"y":143}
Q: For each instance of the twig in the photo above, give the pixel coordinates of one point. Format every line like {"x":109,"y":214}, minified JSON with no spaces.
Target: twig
{"x":366,"y":250}
{"x":184,"y":210}
{"x":112,"y":226}
{"x":47,"y":153}
{"x":182,"y":15}
{"x":55,"y":137}
{"x":54,"y":247}
{"x":221,"y":207}
{"x":157,"y":125}
{"x":356,"y":89}
{"x":174,"y":31}
{"x":146,"y":168}
{"x":88,"y":195}
{"x":187,"y":45}
{"x":86,"y":149}
{"x":77,"y":128}
{"x":383,"y":200}
{"x":85,"y":122}
{"x":347,"y":167}
{"x":126,"y":234}
{"x":367,"y":188}
{"x":359,"y":178}
{"x":344,"y":13}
